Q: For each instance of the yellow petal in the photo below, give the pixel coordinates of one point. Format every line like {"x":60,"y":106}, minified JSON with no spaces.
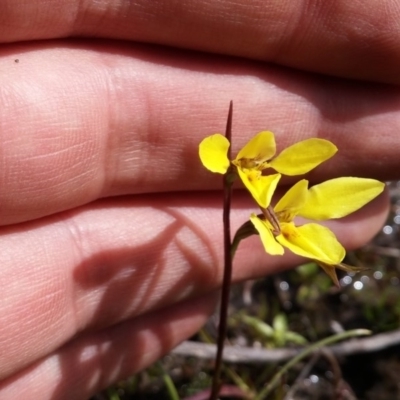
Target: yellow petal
{"x":213,"y":152}
{"x":260,"y":187}
{"x":259,"y":149}
{"x":292,"y":201}
{"x":302,"y":157}
{"x":312,"y":241}
{"x":271,"y":246}
{"x":339,"y":197}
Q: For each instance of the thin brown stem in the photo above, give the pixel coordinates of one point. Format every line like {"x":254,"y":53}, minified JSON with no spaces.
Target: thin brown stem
{"x":226,"y":283}
{"x":270,"y":215}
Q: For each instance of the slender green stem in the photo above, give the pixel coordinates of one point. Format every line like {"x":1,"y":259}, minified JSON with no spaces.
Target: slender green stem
{"x":169,"y":383}
{"x":226,"y":282}
{"x":305,"y":353}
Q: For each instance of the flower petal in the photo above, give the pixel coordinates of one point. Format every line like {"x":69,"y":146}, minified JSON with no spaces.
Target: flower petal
{"x":261,"y":187}
{"x":271,"y":246}
{"x":312,"y":241}
{"x":259,"y":149}
{"x":339,"y":197}
{"x":292,"y":201}
{"x":213,"y":152}
{"x":303,"y":156}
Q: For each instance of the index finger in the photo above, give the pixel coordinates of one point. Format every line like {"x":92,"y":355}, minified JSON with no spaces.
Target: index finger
{"x":84,"y":120}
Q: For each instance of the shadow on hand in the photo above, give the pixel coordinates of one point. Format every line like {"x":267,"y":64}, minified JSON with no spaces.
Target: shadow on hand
{"x":178,"y":262}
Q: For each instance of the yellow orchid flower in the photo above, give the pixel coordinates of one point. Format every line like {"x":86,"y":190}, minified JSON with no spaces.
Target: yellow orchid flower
{"x":258,"y":154}
{"x":334,"y":198}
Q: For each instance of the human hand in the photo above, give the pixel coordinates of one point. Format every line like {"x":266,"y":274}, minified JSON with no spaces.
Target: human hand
{"x":111,"y":229}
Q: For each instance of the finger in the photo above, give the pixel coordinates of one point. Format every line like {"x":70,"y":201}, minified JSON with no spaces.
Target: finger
{"x":84,"y":121}
{"x":339,"y":38}
{"x":114,"y":260}
{"x":94,"y":361}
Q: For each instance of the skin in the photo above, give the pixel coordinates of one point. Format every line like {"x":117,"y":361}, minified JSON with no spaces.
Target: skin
{"x":110,"y":247}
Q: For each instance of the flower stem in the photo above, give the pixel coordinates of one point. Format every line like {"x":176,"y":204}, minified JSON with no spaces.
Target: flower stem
{"x":226,"y":283}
